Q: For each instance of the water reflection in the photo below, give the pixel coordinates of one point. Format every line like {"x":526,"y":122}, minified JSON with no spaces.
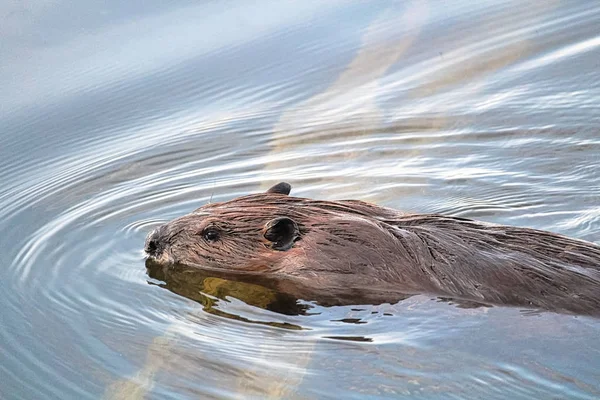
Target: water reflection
{"x":200,"y":286}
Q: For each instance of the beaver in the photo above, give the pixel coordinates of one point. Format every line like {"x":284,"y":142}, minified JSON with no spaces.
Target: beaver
{"x":352,"y":250}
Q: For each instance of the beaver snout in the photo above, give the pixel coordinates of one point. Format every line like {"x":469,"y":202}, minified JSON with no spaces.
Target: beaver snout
{"x":154,"y":246}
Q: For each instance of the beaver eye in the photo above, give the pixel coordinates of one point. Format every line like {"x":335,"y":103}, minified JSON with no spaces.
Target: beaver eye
{"x":211,"y":235}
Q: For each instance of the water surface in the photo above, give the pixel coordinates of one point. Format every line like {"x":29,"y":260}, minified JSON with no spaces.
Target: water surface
{"x":117,"y":117}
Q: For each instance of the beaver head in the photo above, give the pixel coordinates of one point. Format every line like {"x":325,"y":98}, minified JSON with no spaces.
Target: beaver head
{"x":247,"y":234}
{"x":353,"y":247}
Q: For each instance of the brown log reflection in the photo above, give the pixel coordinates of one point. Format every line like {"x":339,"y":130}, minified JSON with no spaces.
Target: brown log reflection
{"x":278,"y":295}
{"x":205,"y":288}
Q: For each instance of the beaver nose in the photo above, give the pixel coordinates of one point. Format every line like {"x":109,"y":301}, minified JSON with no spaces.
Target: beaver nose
{"x":153,"y":242}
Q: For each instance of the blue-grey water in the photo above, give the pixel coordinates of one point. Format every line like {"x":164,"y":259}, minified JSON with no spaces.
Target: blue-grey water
{"x":118,"y":116}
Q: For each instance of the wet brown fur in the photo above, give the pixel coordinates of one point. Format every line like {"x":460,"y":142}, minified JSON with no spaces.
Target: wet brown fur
{"x":351,"y":248}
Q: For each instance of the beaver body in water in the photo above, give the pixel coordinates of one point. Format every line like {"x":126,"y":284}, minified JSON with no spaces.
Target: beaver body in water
{"x":355,"y":250}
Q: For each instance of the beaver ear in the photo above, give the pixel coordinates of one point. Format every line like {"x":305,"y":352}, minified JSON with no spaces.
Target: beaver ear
{"x":281,"y":188}
{"x":281,"y":232}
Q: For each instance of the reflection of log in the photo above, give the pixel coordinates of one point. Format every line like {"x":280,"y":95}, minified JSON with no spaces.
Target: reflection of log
{"x":199,"y":286}
{"x":274,"y":294}
{"x":348,"y":107}
{"x":136,"y":387}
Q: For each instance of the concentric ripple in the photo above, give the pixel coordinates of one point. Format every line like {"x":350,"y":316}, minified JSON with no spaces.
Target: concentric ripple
{"x":130,"y":117}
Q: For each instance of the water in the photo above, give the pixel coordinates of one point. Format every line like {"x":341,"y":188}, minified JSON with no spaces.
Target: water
{"x":117,"y":117}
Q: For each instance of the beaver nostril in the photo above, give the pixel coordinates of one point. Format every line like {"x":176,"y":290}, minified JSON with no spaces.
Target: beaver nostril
{"x":152,"y":243}
{"x":151,"y":246}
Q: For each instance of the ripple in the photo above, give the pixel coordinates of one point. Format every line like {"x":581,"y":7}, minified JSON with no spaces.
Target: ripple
{"x":142,"y":226}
